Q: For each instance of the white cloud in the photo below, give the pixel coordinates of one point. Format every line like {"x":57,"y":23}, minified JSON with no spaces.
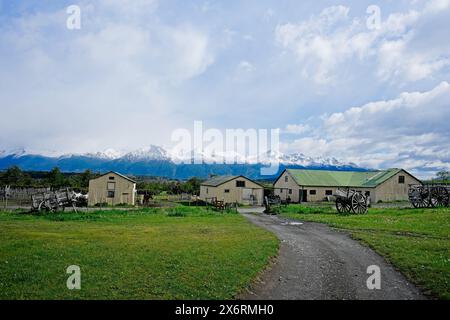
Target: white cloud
{"x":245,"y":66}
{"x":410,"y":131}
{"x":296,"y":129}
{"x":327,"y":44}
{"x":123,"y":67}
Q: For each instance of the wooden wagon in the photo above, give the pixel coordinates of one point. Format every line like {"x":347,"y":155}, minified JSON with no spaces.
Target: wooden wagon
{"x":429,"y":195}
{"x":53,"y":201}
{"x":349,"y":200}
{"x":5,"y":193}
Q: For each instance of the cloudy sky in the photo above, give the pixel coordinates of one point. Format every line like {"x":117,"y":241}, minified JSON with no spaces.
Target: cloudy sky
{"x":335,"y":82}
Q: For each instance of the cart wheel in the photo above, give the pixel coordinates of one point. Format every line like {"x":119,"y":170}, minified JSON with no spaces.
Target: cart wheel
{"x":439,"y":197}
{"x":43,"y":206}
{"x":359,"y":203}
{"x":415,"y":197}
{"x":342,"y":206}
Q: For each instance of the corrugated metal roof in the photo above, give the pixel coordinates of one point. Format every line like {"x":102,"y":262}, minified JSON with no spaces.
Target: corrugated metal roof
{"x":218,"y":180}
{"x":326,"y":178}
{"x":119,"y":174}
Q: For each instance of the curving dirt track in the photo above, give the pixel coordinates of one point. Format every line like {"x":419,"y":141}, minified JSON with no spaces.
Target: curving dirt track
{"x":316,"y":262}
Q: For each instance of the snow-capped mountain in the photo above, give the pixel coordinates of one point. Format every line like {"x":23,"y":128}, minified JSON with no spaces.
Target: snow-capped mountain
{"x":108,"y":154}
{"x":146,"y":154}
{"x":303,"y":160}
{"x":157,"y":161}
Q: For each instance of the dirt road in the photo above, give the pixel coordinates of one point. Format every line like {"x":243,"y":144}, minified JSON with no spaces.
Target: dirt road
{"x":316,"y":262}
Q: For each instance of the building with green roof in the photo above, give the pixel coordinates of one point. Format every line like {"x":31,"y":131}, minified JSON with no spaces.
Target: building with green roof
{"x":318,"y":185}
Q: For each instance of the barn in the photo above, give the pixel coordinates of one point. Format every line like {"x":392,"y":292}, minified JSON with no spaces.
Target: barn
{"x":112,"y":188}
{"x":232,"y":189}
{"x":318,"y":185}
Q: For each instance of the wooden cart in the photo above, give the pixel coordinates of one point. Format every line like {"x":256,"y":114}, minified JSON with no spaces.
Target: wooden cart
{"x":53,"y":201}
{"x":351,"y":201}
{"x":429,"y":195}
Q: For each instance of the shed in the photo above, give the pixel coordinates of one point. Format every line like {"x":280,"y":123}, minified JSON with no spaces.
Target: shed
{"x":112,"y":188}
{"x":232,"y":189}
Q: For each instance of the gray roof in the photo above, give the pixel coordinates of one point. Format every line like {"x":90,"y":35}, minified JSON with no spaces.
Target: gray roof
{"x":219,"y":180}
{"x":120,"y":175}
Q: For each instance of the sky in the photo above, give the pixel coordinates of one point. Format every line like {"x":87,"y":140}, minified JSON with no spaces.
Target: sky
{"x":335,"y":81}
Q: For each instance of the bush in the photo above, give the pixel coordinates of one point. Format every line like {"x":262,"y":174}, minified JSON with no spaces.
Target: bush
{"x":101,"y":205}
{"x":122,"y":205}
{"x":176,"y":213}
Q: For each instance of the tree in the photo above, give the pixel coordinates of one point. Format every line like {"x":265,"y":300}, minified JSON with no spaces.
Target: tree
{"x":56,"y":179}
{"x":443,"y":175}
{"x":192,"y":186}
{"x":86,"y":176}
{"x":14,"y":176}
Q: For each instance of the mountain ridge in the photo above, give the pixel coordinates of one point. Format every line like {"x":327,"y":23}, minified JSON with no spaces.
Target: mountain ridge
{"x":157,"y":161}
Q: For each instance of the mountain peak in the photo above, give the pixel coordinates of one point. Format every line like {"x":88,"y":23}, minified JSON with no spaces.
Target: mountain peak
{"x":108,"y":154}
{"x":149,"y":153}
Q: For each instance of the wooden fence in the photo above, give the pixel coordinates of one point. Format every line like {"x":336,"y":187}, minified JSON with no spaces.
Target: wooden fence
{"x":18,"y":196}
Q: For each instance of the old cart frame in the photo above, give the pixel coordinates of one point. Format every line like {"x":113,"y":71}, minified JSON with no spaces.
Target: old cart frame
{"x":53,"y":201}
{"x":429,"y":195}
{"x":349,"y":200}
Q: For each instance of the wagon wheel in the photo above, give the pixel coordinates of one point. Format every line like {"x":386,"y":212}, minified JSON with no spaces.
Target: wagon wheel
{"x":416,"y":197}
{"x":342,"y":206}
{"x":420,"y":198}
{"x":439,"y":197}
{"x":44,"y":205}
{"x":358,"y":203}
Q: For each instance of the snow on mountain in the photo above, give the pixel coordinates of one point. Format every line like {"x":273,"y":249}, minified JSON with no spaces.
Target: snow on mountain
{"x":17,"y":153}
{"x":303,"y":160}
{"x":145,"y":154}
{"x":108,"y":154}
{"x":158,"y":153}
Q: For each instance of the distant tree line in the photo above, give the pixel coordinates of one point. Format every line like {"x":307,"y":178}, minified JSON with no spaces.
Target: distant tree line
{"x":154,"y":187}
{"x":443,"y":176}
{"x":56,"y":179}
{"x":15,"y":177}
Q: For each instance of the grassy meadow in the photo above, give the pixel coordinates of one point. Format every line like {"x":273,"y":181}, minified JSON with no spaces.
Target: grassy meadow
{"x":175,"y":253}
{"x":415,"y":241}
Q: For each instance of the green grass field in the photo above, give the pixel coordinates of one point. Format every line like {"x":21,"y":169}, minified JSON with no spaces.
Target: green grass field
{"x":415,"y":241}
{"x":176,"y":253}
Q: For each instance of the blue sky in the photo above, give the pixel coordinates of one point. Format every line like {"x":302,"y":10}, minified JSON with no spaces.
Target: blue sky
{"x":376,"y":97}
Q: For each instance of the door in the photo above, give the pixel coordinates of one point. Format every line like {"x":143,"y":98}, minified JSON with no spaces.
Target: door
{"x":126,"y":198}
{"x":303,"y":195}
{"x":247,"y":194}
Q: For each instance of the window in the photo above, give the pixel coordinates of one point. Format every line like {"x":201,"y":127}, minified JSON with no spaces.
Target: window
{"x":111,"y":186}
{"x":207,"y":190}
{"x":286,"y":178}
{"x":367,"y":193}
{"x":290,"y":191}
{"x":111,"y":178}
{"x":401,"y":179}
{"x":240,"y":184}
{"x":328,"y":192}
{"x":227,"y":190}
{"x":312,"y":192}
{"x":111,"y":194}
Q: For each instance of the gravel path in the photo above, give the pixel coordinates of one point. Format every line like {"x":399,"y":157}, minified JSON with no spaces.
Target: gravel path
{"x":316,"y":262}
